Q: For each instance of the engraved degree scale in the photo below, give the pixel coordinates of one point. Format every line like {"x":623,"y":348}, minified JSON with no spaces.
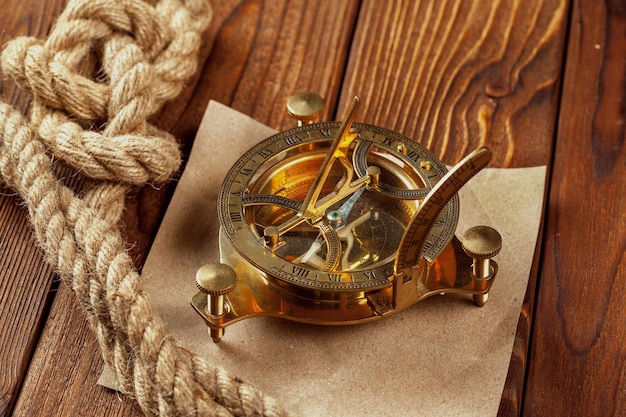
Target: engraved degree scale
{"x":341,"y":223}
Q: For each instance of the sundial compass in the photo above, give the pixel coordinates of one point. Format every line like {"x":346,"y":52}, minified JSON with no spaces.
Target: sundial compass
{"x":341,"y":223}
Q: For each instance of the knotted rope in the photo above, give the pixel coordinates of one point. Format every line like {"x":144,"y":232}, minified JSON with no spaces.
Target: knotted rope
{"x":105,"y":68}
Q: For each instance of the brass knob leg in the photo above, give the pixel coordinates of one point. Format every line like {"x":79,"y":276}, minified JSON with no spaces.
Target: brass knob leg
{"x":481,"y":243}
{"x":216,"y":280}
{"x":305,"y":107}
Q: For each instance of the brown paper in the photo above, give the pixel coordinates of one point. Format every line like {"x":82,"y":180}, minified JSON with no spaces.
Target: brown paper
{"x":442,"y":356}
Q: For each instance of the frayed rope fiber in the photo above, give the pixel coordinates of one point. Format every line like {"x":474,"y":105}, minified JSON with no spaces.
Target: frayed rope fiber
{"x":104,"y":69}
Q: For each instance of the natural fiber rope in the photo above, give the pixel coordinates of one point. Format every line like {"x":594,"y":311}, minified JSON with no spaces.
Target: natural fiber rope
{"x":105,"y":68}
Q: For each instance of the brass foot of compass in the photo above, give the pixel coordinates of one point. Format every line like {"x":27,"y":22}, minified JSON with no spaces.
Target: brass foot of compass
{"x":341,"y":223}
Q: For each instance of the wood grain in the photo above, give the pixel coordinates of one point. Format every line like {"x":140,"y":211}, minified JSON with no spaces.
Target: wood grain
{"x":578,"y":355}
{"x":25,"y":281}
{"x":456,"y":74}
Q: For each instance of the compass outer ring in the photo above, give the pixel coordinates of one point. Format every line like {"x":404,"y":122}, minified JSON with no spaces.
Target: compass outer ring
{"x":232,"y":221}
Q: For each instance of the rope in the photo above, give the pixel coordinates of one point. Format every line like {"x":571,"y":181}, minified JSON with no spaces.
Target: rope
{"x":104,"y":69}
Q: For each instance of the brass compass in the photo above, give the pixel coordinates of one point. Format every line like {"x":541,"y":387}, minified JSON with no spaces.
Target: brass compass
{"x":341,"y":223}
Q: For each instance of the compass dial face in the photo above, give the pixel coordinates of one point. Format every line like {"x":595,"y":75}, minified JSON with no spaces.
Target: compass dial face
{"x":354,"y":245}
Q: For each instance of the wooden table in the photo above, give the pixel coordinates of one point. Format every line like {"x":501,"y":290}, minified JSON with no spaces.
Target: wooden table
{"x":542,"y":82}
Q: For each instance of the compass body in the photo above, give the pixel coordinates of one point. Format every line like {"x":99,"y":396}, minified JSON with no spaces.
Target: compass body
{"x":339,"y":223}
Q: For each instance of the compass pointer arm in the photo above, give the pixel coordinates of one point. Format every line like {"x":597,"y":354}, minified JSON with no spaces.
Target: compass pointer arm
{"x":338,"y":150}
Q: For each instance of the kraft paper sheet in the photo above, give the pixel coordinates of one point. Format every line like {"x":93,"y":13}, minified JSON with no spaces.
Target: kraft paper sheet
{"x":441,"y":357}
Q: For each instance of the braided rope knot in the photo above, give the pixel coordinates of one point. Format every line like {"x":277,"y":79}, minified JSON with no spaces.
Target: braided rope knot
{"x":111,"y":64}
{"x":106,"y":67}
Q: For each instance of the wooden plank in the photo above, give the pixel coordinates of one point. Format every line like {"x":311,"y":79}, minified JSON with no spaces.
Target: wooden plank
{"x":257,"y":54}
{"x":25,"y":281}
{"x":455,"y":75}
{"x":62,"y":377}
{"x":578,"y":355}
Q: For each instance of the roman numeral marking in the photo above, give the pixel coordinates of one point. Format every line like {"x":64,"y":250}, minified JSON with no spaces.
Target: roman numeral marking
{"x":292,"y":140}
{"x":370,"y":274}
{"x":266,"y":153}
{"x":235,"y":216}
{"x":388,"y":142}
{"x":299,"y":271}
{"x":334,"y":277}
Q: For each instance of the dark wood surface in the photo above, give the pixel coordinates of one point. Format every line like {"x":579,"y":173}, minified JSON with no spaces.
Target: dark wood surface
{"x":540,"y":82}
